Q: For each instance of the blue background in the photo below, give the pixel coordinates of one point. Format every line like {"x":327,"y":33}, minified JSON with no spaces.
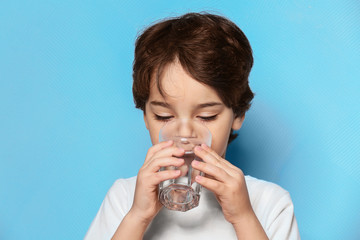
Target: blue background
{"x":69,"y":129}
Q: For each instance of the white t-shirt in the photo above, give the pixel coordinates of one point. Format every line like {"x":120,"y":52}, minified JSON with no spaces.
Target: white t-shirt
{"x":272,"y":206}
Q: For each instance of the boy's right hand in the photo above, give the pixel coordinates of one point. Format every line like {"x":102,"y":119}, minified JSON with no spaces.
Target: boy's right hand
{"x":146,"y":204}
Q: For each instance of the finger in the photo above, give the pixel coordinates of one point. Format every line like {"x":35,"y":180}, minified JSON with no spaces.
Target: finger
{"x":157,"y":147}
{"x":206,"y":156}
{"x":164,"y":153}
{"x":164,"y":175}
{"x":155,"y":165}
{"x":210,"y":156}
{"x":184,"y":169}
{"x":169,"y":151}
{"x":211,"y":151}
{"x":217,"y":156}
{"x":211,"y":170}
{"x":210,"y":184}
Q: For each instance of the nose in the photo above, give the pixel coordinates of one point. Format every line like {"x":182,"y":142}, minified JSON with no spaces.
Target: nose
{"x":186,"y":129}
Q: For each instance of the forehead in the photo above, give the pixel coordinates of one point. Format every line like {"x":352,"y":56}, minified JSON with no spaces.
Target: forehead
{"x":177,"y":85}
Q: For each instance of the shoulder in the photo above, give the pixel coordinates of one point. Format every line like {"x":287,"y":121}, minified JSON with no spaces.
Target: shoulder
{"x":265,"y":196}
{"x":273,"y":207}
{"x":122,"y":190}
{"x":123,"y":184}
{"x":260,"y":188}
{"x":114,"y":207}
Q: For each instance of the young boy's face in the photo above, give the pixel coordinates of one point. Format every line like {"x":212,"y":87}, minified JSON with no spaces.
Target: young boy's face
{"x":186,"y":98}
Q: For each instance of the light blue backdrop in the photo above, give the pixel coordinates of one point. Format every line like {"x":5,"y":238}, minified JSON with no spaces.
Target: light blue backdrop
{"x":69,"y":129}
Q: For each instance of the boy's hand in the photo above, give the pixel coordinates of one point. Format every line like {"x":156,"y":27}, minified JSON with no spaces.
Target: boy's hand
{"x":146,"y":204}
{"x":226,"y":181}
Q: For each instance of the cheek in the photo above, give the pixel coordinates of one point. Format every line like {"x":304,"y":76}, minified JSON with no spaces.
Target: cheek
{"x":220,"y":138}
{"x":154,"y":135}
{"x":154,"y":130}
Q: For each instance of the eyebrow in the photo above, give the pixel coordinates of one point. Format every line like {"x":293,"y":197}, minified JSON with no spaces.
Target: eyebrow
{"x":209,"y":104}
{"x":161,"y":104}
{"x":202,"y":105}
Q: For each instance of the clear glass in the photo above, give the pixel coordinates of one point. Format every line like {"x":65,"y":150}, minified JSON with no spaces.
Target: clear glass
{"x":183,"y":193}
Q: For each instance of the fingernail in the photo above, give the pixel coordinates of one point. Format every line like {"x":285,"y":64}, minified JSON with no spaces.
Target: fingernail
{"x":198,"y":178}
{"x":196,"y":163}
{"x":198,"y":148}
{"x":180,"y":159}
{"x":203,"y":145}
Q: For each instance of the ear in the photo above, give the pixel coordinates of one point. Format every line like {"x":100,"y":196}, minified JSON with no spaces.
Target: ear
{"x":238,"y":121}
{"x":146,"y":121}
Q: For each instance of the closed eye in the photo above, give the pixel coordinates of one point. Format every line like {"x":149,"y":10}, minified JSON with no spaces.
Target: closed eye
{"x":209,"y":118}
{"x":163,"y":118}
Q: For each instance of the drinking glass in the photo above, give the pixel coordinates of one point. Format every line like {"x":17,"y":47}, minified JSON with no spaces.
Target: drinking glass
{"x":183,"y":193}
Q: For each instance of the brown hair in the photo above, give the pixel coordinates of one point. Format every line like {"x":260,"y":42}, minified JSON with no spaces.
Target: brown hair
{"x":211,"y":48}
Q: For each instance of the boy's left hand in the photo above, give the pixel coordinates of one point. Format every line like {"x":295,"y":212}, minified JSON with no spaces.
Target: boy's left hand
{"x":226,"y":181}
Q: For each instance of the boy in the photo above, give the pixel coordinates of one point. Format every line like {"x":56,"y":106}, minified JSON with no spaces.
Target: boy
{"x":194,"y":67}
